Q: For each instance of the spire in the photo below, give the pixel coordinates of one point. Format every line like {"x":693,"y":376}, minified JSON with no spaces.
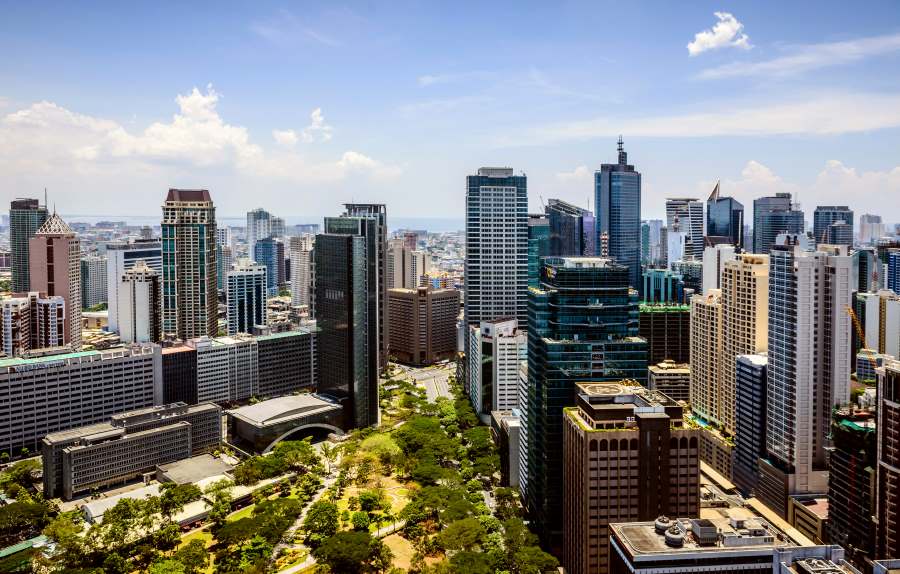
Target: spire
{"x":623,"y":157}
{"x":714,"y":196}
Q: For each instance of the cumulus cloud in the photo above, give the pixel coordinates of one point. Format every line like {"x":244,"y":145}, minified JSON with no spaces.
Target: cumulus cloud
{"x":579,"y":174}
{"x":317,"y":130}
{"x":287,"y":138}
{"x":727,"y":32}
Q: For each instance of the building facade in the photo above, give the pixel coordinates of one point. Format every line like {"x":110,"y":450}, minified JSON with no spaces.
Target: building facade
{"x":773,"y":216}
{"x":122,"y":256}
{"x":688,"y":212}
{"x":671,"y":379}
{"x":538,"y":245}
{"x":94,"y":285}
{"x":423,"y":324}
{"x":247,"y":295}
{"x":269,"y":253}
{"x":300,"y":252}
{"x":617,"y":196}
{"x":663,"y":286}
{"x":262,"y":225}
{"x":833,"y":225}
{"x":749,"y":420}
{"x":887,"y":509}
{"x":725,"y":218}
{"x":573,"y":230}
{"x":26,"y":216}
{"x":496,"y":349}
{"x":55,"y":269}
{"x":140,"y":305}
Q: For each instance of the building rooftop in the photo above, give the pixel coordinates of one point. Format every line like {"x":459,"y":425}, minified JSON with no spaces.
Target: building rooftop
{"x":55,"y":226}
{"x":282,"y":409}
{"x":663,"y":307}
{"x":95,"y":509}
{"x":193,"y":470}
{"x":196,"y":195}
{"x":580,"y":262}
{"x":817,"y":506}
{"x":671,"y":367}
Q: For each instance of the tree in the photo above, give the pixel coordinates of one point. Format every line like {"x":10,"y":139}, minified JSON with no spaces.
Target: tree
{"x":463,"y":534}
{"x":321,"y":522}
{"x":507,"y":503}
{"x":353,"y":552}
{"x":174,"y":497}
{"x":471,"y":563}
{"x":299,"y":455}
{"x":329,"y":453}
{"x":167,"y":566}
{"x":20,"y":475}
{"x":360,"y":521}
{"x":533,"y":560}
{"x":193,"y":555}
{"x":219,"y":495}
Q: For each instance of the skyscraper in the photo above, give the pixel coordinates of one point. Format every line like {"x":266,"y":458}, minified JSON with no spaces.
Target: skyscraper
{"x":725,"y":218}
{"x":809,"y":366}
{"x":583,"y":326}
{"x":870,"y":228}
{"x":190,"y":299}
{"x":496,"y":350}
{"x":887,"y":515}
{"x":714,"y":258}
{"x":94,"y":285}
{"x":826,"y":228}
{"x":55,"y":269}
{"x":269,"y":252}
{"x":573,"y":231}
{"x":405,"y":266}
{"x":750,"y":420}
{"x":26,"y":216}
{"x":140,"y":305}
{"x":893,"y":270}
{"x":496,"y":272}
{"x":300,"y":252}
{"x":538,"y":245}
{"x":260,"y":225}
{"x":688,"y":211}
{"x":246,"y":286}
{"x":773,"y":216}
{"x":223,"y":255}
{"x":617,"y":189}
{"x":120,"y":257}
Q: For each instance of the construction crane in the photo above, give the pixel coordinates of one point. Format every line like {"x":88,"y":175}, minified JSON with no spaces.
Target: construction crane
{"x":860,"y":332}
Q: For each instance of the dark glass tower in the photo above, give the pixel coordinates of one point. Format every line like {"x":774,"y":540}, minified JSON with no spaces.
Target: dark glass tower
{"x":771,"y":217}
{"x":617,"y":189}
{"x":833,"y":224}
{"x":572,"y":230}
{"x":583,"y":325}
{"x":538,"y":246}
{"x":725,"y":218}
{"x":270,"y":252}
{"x":26,"y":216}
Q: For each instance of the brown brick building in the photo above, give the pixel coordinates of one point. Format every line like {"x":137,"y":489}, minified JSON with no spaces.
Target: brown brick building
{"x":627,"y":456}
{"x":423,"y":324}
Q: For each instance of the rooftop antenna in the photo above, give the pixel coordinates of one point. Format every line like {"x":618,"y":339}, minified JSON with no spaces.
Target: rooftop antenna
{"x":623,"y":157}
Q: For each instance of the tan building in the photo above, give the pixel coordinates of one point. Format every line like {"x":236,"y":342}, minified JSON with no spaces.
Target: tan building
{"x":423,"y":324}
{"x":627,"y":456}
{"x":670,"y":378}
{"x":706,"y":354}
{"x":55,"y":269}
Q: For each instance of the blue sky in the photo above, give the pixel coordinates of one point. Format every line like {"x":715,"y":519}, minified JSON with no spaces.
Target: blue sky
{"x":298,"y":107}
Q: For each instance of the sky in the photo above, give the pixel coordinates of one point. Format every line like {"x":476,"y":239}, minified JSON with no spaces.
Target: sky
{"x":300,"y":107}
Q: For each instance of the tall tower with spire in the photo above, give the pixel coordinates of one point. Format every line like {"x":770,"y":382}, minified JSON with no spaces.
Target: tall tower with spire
{"x":55,"y":269}
{"x":617,"y":193}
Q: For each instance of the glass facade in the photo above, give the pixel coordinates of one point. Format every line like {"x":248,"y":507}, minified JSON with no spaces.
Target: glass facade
{"x":538,"y":246}
{"x":771,"y":217}
{"x":270,"y":253}
{"x":725,"y":218}
{"x":617,"y":189}
{"x":572,"y":230}
{"x":833,"y":225}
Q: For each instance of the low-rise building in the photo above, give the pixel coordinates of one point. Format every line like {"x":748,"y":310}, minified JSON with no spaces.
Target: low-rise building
{"x":667,"y":329}
{"x":672,"y":379}
{"x":259,"y":425}
{"x":505,"y":427}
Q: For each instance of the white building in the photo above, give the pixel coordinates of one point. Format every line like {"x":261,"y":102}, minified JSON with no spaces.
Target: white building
{"x":714,"y":259}
{"x":94,"y":287}
{"x":494,"y":371}
{"x":882,"y":313}
{"x":227,"y":368}
{"x":246,"y":286}
{"x":139,"y":305}
{"x":300,"y":252}
{"x":120,"y":257}
{"x":688,"y":213}
{"x":260,"y":225}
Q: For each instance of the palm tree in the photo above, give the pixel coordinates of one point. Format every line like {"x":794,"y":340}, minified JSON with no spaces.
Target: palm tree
{"x":329,"y":453}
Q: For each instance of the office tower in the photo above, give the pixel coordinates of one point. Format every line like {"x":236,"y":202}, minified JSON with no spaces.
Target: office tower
{"x":663,"y":286}
{"x":714,"y":259}
{"x":261,"y":225}
{"x":870,"y":228}
{"x":15,"y":326}
{"x":55,"y":269}
{"x":140,"y":305}
{"x":347,"y":314}
{"x":893,"y":270}
{"x":506,"y":432}
{"x":496,"y":246}
{"x":773,"y":216}
{"x":865,"y":261}
{"x":671,"y":379}
{"x":269,"y":253}
{"x":179,"y":374}
{"x":654,"y":247}
{"x":678,"y":244}
{"x":667,"y":330}
{"x":645,"y":243}
{"x":120,"y":257}
{"x":728,"y":540}
{"x":617,"y":189}
{"x":423,"y":324}
{"x":851,"y":483}
{"x":496,"y":349}
{"x":190,"y":299}
{"x":224,"y":258}
{"x":706,"y":355}
{"x":300,"y":251}
{"x":246,"y":287}
{"x":750,"y":420}
{"x":627,"y":456}
{"x":583,"y":327}
{"x":26,"y":216}
{"x":287,"y":363}
{"x":691,"y":272}
{"x":53,"y":393}
{"x":887,"y":515}
{"x":827,"y":228}
{"x":405,"y":266}
{"x":48,"y":320}
{"x":809,"y":366}
{"x":538,"y":246}
{"x":572,"y":230}
{"x":880,"y":318}
{"x":94,"y":288}
{"x":725,"y":218}
{"x":688,"y":213}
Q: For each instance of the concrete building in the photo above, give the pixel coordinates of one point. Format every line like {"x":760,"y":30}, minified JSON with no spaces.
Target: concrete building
{"x":55,"y":269}
{"x":247,"y":294}
{"x":139,"y":307}
{"x":714,"y":258}
{"x":26,"y":216}
{"x":505,"y":429}
{"x":405,"y":266}
{"x":262,"y":225}
{"x":809,"y":366}
{"x":881,"y":321}
{"x":179,"y":374}
{"x":15,"y":326}
{"x":749,"y":420}
{"x":671,"y":379}
{"x":260,"y":425}
{"x":190,"y":297}
{"x":809,"y":515}
{"x":31,"y":321}
{"x":833,"y":225}
{"x":496,"y":350}
{"x":129,"y":445}
{"x":423,"y":324}
{"x":286,"y":362}
{"x":300,"y":252}
{"x":887,"y":506}
{"x":773,"y":216}
{"x":706,"y":355}
{"x":667,"y":330}
{"x":871,"y":228}
{"x":94,"y":285}
{"x":664,"y":286}
{"x":688,"y":212}
{"x":627,"y":456}
{"x":120,"y":257}
{"x":52,"y":393}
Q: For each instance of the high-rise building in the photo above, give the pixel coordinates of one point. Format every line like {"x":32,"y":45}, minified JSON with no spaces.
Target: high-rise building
{"x":691,"y":272}
{"x":120,"y":257}
{"x":15,"y":326}
{"x":423,"y":324}
{"x":31,"y":321}
{"x":583,"y":327}
{"x":652,"y":245}
{"x":55,"y":269}
{"x":224,"y":258}
{"x":405,"y":266}
{"x":572,"y":230}
{"x":538,"y":246}
{"x":140,"y":305}
{"x":269,"y":253}
{"x":496,"y":349}
{"x":667,"y":330}
{"x":246,"y":287}
{"x":617,"y":189}
{"x":725,"y":218}
{"x":809,"y":366}
{"x":893,"y":270}
{"x":94,"y":284}
{"x":750,"y":420}
{"x":880,"y":318}
{"x":261,"y":225}
{"x":706,"y":355}
{"x":663,"y":286}
{"x":828,"y":228}
{"x":496,"y":271}
{"x":865,"y":260}
{"x":26,"y":216}
{"x":179,"y":374}
{"x":688,"y":213}
{"x":870,"y":228}
{"x":773,"y":216}
{"x":714,"y":259}
{"x":627,"y":455}
{"x":190,"y":298}
{"x":887,"y":509}
{"x":300,"y":252}
{"x":671,"y":379}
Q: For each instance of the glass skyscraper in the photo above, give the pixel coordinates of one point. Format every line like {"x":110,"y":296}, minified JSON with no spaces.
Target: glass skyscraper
{"x":772,"y":216}
{"x":572,"y":230}
{"x":617,"y":189}
{"x":270,"y":252}
{"x":833,"y":224}
{"x":583,"y":323}
{"x":725,"y":218}
{"x":26,"y":216}
{"x":538,"y":246}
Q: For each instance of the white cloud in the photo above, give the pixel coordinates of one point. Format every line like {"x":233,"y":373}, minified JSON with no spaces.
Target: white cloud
{"x":579,"y":174}
{"x":287,"y":138}
{"x":287,"y":29}
{"x":728,"y":32}
{"x":811,"y":57}
{"x":317,"y":129}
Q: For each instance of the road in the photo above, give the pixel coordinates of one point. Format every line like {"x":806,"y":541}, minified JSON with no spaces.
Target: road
{"x":435,"y":379}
